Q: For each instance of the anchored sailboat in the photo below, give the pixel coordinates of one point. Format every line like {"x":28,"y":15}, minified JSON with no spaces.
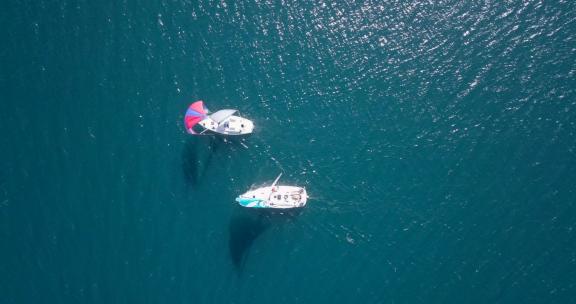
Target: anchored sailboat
{"x":280,"y":197}
{"x":222,"y":122}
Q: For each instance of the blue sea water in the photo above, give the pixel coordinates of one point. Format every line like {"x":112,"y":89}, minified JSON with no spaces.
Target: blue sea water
{"x":435,"y":138}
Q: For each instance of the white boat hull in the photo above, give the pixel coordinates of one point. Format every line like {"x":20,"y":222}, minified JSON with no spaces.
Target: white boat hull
{"x":281,"y":197}
{"x":233,"y":125}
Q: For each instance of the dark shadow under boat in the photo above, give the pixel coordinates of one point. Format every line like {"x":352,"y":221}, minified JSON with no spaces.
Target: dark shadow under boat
{"x":200,"y":152}
{"x":247,"y":225}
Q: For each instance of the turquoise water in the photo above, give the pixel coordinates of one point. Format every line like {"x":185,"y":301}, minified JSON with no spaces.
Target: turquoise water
{"x":436,"y":139}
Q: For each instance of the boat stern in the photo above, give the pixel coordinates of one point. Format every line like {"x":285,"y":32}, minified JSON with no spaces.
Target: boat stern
{"x":250,"y":202}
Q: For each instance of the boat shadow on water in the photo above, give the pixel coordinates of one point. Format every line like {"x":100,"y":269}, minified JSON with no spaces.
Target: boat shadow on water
{"x":199,"y":154}
{"x":246,"y":225}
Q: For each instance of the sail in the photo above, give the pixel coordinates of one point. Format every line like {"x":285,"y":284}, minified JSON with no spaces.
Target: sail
{"x":221,"y":115}
{"x":196,"y":112}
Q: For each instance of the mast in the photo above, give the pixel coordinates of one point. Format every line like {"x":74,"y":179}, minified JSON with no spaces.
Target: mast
{"x":276,"y":180}
{"x":273,"y":185}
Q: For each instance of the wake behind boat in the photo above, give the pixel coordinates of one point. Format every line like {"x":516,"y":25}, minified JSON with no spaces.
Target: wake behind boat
{"x":222,"y":122}
{"x":280,"y":197}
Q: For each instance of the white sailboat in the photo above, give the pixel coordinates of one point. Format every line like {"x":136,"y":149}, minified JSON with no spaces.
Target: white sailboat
{"x":222,"y":122}
{"x":279,"y":197}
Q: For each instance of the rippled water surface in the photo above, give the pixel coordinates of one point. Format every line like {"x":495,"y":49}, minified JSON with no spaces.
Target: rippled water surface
{"x":437,"y":140}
